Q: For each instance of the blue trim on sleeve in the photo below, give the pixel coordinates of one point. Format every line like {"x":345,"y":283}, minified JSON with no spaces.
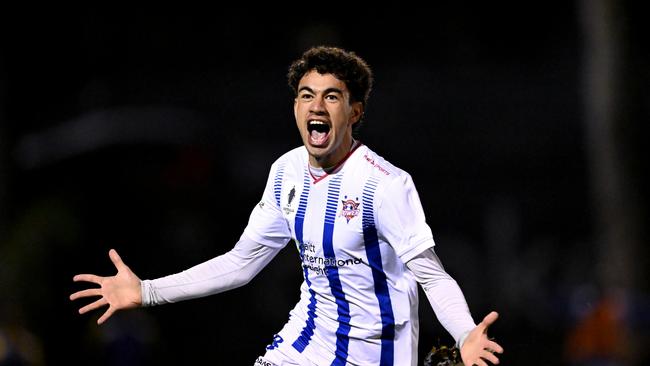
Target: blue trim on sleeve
{"x":277,"y":183}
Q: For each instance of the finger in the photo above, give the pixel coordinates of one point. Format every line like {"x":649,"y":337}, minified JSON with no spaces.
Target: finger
{"x":92,"y":306}
{"x":480,"y":362}
{"x":494,"y":346}
{"x":116,"y":259}
{"x":86,"y":293}
{"x":107,"y":314}
{"x":88,"y":278}
{"x":490,"y":318}
{"x":487,"y":355}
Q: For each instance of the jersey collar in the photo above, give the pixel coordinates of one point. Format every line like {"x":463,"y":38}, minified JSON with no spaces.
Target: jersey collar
{"x":319,"y":174}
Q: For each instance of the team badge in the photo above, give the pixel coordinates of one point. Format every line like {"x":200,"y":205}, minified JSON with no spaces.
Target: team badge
{"x":350,"y":209}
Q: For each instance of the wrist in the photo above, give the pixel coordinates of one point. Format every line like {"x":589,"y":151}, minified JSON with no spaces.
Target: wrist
{"x":145,"y":294}
{"x":461,"y":339}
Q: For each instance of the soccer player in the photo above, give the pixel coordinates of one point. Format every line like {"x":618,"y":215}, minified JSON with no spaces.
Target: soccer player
{"x":358,"y":225}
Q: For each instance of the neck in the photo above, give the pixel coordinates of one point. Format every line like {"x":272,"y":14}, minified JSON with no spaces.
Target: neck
{"x":333,"y":167}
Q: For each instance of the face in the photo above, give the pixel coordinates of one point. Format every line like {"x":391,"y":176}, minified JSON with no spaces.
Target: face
{"x":325,"y":118}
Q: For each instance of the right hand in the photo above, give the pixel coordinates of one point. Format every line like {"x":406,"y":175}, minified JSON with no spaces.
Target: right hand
{"x":121,"y":291}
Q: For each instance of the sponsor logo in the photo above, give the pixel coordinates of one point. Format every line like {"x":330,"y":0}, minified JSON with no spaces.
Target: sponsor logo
{"x":376,"y":165}
{"x":262,"y":362}
{"x":320,"y":265}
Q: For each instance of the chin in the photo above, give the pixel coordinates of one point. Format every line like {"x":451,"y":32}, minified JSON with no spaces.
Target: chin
{"x":318,"y":153}
{"x":320,"y":150}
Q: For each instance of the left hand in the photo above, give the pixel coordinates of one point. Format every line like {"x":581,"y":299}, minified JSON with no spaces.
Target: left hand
{"x":478,"y":347}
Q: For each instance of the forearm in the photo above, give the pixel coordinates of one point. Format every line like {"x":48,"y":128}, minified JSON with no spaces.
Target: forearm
{"x":228,"y":271}
{"x":444,"y":295}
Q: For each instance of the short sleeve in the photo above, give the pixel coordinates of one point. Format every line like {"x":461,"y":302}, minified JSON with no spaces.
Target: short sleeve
{"x":266,"y":224}
{"x":401,"y":220}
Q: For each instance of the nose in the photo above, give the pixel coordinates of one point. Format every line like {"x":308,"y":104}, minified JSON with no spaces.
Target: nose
{"x":318,"y":105}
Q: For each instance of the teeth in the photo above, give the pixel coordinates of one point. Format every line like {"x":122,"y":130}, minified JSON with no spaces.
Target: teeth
{"x":319,"y":127}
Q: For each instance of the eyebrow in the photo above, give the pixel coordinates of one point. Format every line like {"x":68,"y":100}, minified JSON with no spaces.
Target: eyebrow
{"x":326,"y":91}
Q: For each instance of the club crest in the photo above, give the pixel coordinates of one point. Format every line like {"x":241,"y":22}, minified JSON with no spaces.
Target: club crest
{"x":350,"y":209}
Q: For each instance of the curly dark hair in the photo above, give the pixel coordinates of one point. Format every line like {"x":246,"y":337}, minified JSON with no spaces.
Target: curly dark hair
{"x":345,"y":65}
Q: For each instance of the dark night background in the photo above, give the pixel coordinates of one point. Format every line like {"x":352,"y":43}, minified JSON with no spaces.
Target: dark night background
{"x":152,"y":132}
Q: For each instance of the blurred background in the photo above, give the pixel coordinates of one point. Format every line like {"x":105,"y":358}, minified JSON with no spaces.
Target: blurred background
{"x":151,"y":131}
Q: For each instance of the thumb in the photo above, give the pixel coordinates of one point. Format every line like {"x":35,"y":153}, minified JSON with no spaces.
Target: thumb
{"x":489,"y":320}
{"x":115,"y":258}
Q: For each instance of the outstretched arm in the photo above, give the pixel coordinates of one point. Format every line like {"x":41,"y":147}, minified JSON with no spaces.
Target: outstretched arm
{"x":450,"y":307}
{"x":225,"y":272}
{"x":125,"y":290}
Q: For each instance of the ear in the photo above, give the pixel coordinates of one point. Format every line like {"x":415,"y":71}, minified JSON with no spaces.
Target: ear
{"x":357,"y":112}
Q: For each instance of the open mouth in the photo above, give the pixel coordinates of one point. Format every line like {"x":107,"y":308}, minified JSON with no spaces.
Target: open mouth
{"x":318,"y":132}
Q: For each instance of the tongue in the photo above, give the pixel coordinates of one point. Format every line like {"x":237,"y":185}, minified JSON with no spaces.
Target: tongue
{"x":318,"y":137}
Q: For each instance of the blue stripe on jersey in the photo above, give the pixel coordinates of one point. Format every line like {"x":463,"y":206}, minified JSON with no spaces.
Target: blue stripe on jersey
{"x":277,"y":183}
{"x":381,"y":286}
{"x":342,"y":338}
{"x":302,"y":207}
{"x":308,"y":331}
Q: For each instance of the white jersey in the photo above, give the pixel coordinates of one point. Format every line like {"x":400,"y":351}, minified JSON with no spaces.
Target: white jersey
{"x":354,"y":230}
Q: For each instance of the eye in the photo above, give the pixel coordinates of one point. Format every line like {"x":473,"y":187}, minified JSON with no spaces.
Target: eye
{"x":305,"y":96}
{"x":332,"y":97}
